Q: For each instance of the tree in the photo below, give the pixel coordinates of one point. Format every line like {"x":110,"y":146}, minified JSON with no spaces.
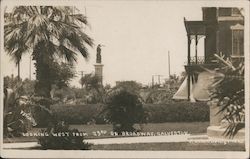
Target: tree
{"x":90,"y":81}
{"x":62,"y":73}
{"x":96,"y":92}
{"x":49,"y":33}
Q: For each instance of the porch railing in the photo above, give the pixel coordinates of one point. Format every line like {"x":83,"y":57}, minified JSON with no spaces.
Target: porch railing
{"x":197,"y":60}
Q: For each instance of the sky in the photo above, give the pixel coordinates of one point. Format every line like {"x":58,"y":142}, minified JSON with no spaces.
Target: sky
{"x":137,"y":36}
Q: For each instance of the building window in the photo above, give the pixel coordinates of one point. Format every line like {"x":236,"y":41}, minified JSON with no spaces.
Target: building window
{"x":225,"y":11}
{"x":237,"y":40}
{"x":236,"y":12}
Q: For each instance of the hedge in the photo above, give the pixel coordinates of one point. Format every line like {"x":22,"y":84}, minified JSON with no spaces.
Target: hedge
{"x":78,"y":114}
{"x":157,"y":113}
{"x":177,"y":112}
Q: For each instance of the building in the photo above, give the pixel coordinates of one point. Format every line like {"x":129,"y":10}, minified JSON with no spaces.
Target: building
{"x":223,"y":33}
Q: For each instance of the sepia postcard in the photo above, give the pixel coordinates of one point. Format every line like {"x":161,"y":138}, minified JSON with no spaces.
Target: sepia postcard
{"x":124,"y":79}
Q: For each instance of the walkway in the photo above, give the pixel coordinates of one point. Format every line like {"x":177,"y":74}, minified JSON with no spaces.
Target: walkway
{"x":144,"y":139}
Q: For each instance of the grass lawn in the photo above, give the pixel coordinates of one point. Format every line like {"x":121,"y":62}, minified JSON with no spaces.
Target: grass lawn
{"x":181,"y":146}
{"x":191,"y":127}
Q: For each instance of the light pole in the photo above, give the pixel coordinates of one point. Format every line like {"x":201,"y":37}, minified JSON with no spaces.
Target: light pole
{"x":169,"y":65}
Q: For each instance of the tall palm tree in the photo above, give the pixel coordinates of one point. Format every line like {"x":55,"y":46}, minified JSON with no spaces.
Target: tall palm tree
{"x":49,"y":33}
{"x":15,"y":48}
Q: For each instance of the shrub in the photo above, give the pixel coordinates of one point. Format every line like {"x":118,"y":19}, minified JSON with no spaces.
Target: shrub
{"x":67,"y":141}
{"x":124,"y":109}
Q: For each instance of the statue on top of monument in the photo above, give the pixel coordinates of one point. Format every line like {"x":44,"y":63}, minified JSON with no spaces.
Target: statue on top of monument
{"x":98,"y":53}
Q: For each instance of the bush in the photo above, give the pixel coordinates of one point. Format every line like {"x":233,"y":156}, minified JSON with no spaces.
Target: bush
{"x":124,"y":109}
{"x":68,"y":141}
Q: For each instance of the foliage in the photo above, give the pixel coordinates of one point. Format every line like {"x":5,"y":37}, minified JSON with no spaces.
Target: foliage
{"x":229,"y":92}
{"x":96,"y":92}
{"x":28,"y":87}
{"x":41,"y":110}
{"x":14,"y":122}
{"x":17,"y":112}
{"x":10,"y":82}
{"x":62,"y":73}
{"x":130,"y":86}
{"x":159,"y":96}
{"x":162,"y":94}
{"x":22,"y":87}
{"x":80,"y":95}
{"x":124,"y":109}
{"x":90,"y":81}
{"x":48,"y":32}
{"x":69,"y":141}
{"x":107,"y":87}
{"x":173,"y":80}
{"x":63,"y":95}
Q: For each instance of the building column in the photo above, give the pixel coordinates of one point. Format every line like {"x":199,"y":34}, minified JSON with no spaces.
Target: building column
{"x":196,"y":43}
{"x":188,"y":67}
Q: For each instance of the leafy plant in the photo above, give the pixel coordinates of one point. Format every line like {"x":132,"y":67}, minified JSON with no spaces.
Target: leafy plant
{"x":17,"y":112}
{"x":59,"y":136}
{"x":229,"y":92}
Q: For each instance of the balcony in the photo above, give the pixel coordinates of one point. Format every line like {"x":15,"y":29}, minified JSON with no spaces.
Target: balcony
{"x":196,"y":60}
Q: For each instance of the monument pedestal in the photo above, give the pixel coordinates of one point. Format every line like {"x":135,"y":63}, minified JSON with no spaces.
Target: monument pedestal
{"x":99,"y":70}
{"x":217,"y":126}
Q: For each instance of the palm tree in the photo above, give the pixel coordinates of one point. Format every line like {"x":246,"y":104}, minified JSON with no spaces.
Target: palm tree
{"x":49,"y":33}
{"x":11,"y":47}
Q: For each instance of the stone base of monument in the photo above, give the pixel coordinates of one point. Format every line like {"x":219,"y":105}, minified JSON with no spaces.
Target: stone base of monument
{"x":218,"y":125}
{"x":217,"y":132}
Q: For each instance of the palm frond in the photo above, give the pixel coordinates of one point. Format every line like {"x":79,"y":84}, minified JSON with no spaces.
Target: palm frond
{"x":68,"y":54}
{"x":79,"y":17}
{"x":36,"y":25}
